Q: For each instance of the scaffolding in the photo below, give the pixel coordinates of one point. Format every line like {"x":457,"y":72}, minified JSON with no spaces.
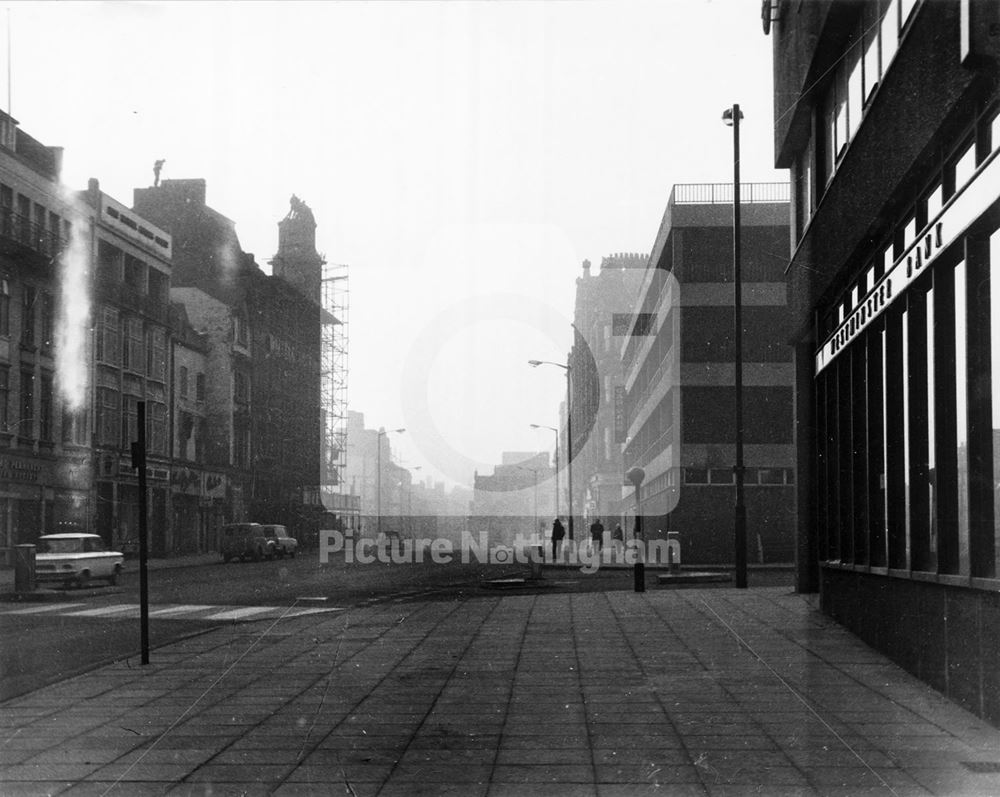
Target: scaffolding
{"x":333,"y":382}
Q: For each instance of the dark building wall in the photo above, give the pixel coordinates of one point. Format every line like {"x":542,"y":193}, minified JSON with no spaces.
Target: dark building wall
{"x":896,"y":472}
{"x":944,"y":635}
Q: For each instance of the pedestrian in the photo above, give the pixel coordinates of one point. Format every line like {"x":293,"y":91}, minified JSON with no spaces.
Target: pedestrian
{"x":597,"y":534}
{"x":558,"y":532}
{"x":618,"y":536}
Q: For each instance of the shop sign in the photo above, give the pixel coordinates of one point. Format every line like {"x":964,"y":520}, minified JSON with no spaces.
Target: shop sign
{"x":16,"y":470}
{"x":963,"y":210}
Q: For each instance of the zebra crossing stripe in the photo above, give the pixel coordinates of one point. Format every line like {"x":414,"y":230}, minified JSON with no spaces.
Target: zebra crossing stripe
{"x":48,"y":607}
{"x":244,"y":611}
{"x":182,"y":609}
{"x":106,"y":611}
{"x":300,"y":612}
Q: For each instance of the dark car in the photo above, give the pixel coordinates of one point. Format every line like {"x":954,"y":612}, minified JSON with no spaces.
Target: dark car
{"x":279,"y":542}
{"x":243,"y":541}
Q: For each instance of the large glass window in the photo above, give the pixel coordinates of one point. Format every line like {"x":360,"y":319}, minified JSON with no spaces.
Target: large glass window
{"x":962,"y":418}
{"x":994,"y":268}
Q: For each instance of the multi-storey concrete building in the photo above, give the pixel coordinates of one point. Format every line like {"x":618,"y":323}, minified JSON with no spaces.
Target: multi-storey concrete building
{"x":680,"y":376}
{"x":888,"y":115}
{"x":45,"y":473}
{"x":602,"y":315}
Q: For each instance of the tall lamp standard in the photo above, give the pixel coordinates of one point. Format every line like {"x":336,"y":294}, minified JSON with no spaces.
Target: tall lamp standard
{"x":732,"y":117}
{"x":378,"y":467}
{"x":569,"y":438}
{"x":552,"y":428}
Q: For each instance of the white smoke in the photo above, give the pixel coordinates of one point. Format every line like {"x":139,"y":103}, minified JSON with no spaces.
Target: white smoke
{"x":73,"y":319}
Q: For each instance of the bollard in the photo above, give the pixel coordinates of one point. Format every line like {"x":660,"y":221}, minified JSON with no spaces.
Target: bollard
{"x":673,"y":552}
{"x":24,"y":568}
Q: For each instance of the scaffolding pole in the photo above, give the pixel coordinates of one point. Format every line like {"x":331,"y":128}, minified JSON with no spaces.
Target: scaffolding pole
{"x":336,"y":306}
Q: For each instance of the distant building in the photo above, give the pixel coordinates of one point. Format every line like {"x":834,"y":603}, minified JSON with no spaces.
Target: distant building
{"x":45,"y":451}
{"x":602,"y":316}
{"x":517,"y":498}
{"x":680,"y":376}
{"x":888,"y":115}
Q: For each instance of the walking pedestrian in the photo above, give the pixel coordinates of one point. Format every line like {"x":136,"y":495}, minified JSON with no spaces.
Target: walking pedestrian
{"x":558,"y":532}
{"x":597,"y":534}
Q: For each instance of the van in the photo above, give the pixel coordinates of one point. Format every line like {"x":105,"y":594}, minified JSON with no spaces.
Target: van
{"x":243,"y":541}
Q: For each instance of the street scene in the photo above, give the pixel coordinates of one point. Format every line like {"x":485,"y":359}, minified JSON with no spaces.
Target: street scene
{"x":463,"y":398}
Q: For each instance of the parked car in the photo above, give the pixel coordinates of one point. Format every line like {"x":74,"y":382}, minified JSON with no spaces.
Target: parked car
{"x":76,"y":559}
{"x":243,"y":541}
{"x":278,"y":541}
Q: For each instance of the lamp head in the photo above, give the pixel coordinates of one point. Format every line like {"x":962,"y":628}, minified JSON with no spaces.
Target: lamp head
{"x":727,"y":115}
{"x":534,"y":363}
{"x":636,"y":475}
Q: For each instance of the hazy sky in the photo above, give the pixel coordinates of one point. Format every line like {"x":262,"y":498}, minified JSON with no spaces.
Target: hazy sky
{"x":462,"y":158}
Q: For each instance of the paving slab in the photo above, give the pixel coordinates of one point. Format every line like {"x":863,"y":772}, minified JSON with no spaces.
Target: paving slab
{"x":711,"y":692}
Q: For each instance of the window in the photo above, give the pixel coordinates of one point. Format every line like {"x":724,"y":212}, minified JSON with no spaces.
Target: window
{"x":4,"y":397}
{"x":695,"y":476}
{"x":26,"y":422}
{"x":722,"y":476}
{"x":240,"y":328}
{"x":28,"y":296}
{"x":108,"y":416}
{"x":45,"y":409}
{"x":156,"y":354}
{"x":182,"y":382}
{"x":107,"y":336}
{"x":199,"y":390}
{"x":4,"y":306}
{"x":130,"y":420}
{"x":48,"y":320}
{"x":135,"y":274}
{"x":74,"y":426}
{"x":132,"y":345}
{"x":157,"y":427}
{"x":965,"y":165}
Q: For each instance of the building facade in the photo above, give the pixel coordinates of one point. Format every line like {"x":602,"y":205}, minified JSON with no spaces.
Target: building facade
{"x":679,"y":360}
{"x":45,"y":450}
{"x":131,"y":308}
{"x":603,"y":310}
{"x":518,"y":498}
{"x":888,"y":115}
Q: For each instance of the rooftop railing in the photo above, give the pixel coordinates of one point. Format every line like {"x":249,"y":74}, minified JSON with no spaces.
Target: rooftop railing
{"x":722,"y":193}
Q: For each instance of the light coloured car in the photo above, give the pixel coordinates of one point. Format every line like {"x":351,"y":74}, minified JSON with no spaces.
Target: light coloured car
{"x":76,"y":559}
{"x":279,"y":543}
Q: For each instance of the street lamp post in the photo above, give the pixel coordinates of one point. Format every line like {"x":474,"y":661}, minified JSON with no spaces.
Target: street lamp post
{"x":378,"y":477}
{"x":569,"y":438}
{"x":552,"y":428}
{"x":732,"y":117}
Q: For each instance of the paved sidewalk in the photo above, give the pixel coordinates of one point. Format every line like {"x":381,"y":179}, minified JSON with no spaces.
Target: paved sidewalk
{"x":692,"y":692}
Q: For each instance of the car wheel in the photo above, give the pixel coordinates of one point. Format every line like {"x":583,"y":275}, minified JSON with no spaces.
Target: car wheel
{"x":113,"y":578}
{"x":83,"y":579}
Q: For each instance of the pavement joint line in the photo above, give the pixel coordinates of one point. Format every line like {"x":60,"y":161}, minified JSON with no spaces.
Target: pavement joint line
{"x":749,"y":648}
{"x":445,"y":682}
{"x":191,"y":707}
